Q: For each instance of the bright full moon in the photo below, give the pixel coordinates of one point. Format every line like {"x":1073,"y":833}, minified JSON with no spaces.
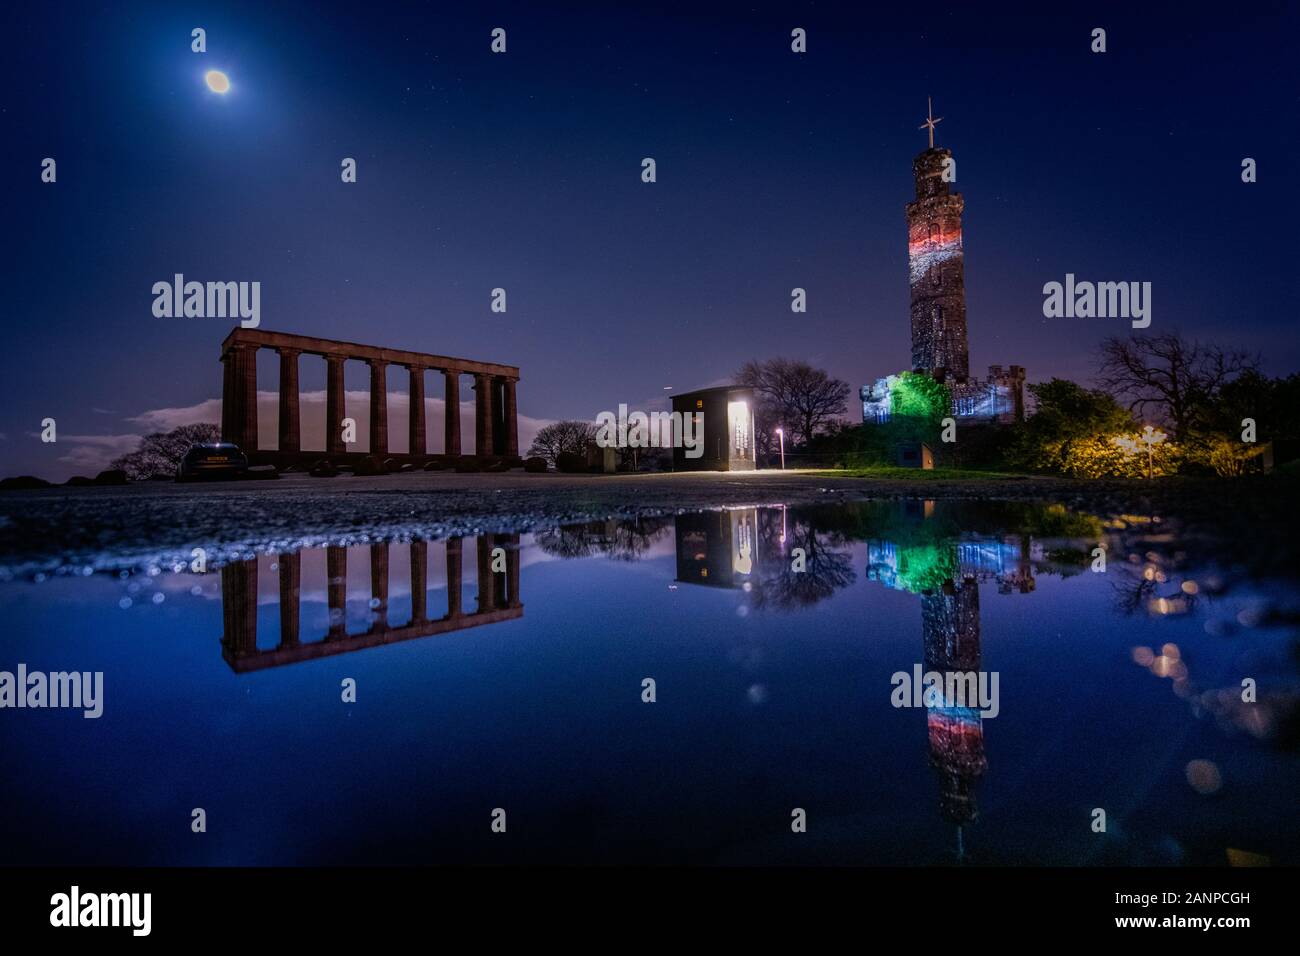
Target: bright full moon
{"x":217,"y":81}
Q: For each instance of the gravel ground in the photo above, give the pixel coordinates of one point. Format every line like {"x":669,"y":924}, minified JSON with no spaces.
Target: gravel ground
{"x":70,"y":529}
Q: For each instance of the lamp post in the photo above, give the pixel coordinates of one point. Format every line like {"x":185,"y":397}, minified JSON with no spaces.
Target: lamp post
{"x":780,"y":433}
{"x":1151,"y":437}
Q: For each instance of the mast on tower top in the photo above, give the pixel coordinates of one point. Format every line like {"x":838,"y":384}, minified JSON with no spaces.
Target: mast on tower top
{"x":931,"y":121}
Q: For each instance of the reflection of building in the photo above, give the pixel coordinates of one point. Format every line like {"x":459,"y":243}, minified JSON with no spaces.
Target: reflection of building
{"x":498,"y":600}
{"x":938,"y":310}
{"x":727,"y":429}
{"x":1006,"y":560}
{"x":950,"y":617}
{"x":945,"y":571}
{"x":718,"y":548}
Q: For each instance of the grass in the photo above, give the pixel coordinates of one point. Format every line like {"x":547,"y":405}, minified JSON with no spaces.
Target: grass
{"x":913,"y":474}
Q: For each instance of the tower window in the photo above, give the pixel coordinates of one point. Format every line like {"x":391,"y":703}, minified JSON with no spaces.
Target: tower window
{"x":934,"y":232}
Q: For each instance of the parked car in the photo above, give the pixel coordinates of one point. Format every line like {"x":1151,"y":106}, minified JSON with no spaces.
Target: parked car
{"x":211,"y":461}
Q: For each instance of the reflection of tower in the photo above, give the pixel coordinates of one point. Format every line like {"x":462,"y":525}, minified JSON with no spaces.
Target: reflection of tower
{"x":937,"y":274}
{"x":950,"y":617}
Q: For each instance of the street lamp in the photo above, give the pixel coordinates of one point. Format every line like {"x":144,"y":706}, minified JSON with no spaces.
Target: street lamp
{"x":1151,"y":437}
{"x":780,"y":433}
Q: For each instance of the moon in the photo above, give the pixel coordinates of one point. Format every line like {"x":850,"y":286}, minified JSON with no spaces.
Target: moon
{"x":217,"y":81}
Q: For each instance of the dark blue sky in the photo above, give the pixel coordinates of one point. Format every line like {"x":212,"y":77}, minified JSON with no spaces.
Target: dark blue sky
{"x":523,"y":171}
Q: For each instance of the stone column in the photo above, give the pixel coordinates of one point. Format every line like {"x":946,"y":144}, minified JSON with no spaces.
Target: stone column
{"x":228,"y":417}
{"x":290,"y":431}
{"x":378,"y":408}
{"x":416,"y":446}
{"x":453,"y":576}
{"x":334,"y":405}
{"x":379,"y":582}
{"x":486,"y":580}
{"x":245,"y":409}
{"x":482,"y":415}
{"x":336,"y":563}
{"x":290,"y":589}
{"x":512,"y":419}
{"x":419,"y":581}
{"x":452,"y":413}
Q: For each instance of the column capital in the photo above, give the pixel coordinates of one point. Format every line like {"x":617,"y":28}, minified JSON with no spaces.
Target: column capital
{"x":288,"y":351}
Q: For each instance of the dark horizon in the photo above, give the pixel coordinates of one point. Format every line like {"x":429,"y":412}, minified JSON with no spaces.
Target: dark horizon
{"x":775,"y":170}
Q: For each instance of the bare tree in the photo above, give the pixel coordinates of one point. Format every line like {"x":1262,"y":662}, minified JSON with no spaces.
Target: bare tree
{"x":161,"y":452}
{"x":559,"y":437}
{"x":1173,"y":378}
{"x":794,"y":396}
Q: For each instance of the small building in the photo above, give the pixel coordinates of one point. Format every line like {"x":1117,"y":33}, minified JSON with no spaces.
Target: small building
{"x":723,"y":435}
{"x":717,"y":548}
{"x":914,"y":454}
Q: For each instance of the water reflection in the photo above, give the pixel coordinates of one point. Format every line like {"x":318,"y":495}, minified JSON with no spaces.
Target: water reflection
{"x":772,"y":632}
{"x":498,"y":600}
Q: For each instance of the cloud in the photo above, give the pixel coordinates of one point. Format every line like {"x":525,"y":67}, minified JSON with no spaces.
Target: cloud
{"x":91,"y":454}
{"x":165,"y":419}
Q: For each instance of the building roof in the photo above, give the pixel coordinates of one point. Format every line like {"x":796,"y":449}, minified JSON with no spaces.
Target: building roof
{"x":714,"y":390}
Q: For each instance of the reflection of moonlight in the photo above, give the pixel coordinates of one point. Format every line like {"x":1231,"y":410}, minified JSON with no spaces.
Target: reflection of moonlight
{"x":217,"y":81}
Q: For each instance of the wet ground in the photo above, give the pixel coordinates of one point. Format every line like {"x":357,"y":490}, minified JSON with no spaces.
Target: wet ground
{"x":69,"y":529}
{"x":679,"y":687}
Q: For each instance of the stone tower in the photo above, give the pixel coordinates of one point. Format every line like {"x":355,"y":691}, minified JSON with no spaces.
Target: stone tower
{"x":937,"y":274}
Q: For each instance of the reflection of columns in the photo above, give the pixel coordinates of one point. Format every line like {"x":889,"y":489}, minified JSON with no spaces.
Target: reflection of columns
{"x":512,"y":570}
{"x":486,"y":580}
{"x":451,"y":445}
{"x":239,"y":606}
{"x":290,"y":584}
{"x":239,"y":397}
{"x":512,"y":419}
{"x":378,"y":408}
{"x":334,"y":405}
{"x":416,"y":445}
{"x":419,"y":581}
{"x":290,"y":433}
{"x":482,"y":415}
{"x":379,"y":581}
{"x":453,"y":577}
{"x":336,"y":564}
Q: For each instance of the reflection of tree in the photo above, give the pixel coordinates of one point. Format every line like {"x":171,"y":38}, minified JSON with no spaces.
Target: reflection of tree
{"x":1132,"y":593}
{"x":621,"y":540}
{"x":1137,"y":588}
{"x":630,"y":540}
{"x":826,"y":570}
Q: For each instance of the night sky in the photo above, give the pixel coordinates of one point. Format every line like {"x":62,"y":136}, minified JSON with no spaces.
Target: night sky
{"x":522,"y":170}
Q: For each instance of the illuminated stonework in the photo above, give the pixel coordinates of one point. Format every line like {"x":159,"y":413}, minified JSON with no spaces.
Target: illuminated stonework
{"x":936,"y":270}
